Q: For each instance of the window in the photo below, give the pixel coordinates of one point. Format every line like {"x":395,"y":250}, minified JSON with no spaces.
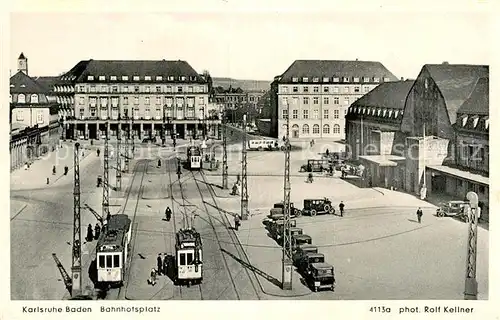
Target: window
{"x":82,"y":100}
{"x":92,"y":111}
{"x":325,"y":114}
{"x":148,"y":89}
{"x":326,"y":89}
{"x":295,"y":114}
{"x":326,"y":79}
{"x":305,"y":114}
{"x":284,"y":100}
{"x":336,"y":100}
{"x":336,"y":129}
{"x":190,"y":89}
{"x":93,"y":101}
{"x":82,"y":88}
{"x":92,"y":88}
{"x":346,"y":101}
{"x":202,"y":100}
{"x":315,"y":100}
{"x":102,"y":261}
{"x":387,"y":79}
{"x":125,"y":78}
{"x":158,"y":113}
{"x":136,"y":89}
{"x":295,"y":100}
{"x":376,"y":79}
{"x":115,"y":89}
{"x":169,"y":89}
{"x":147,"y":78}
{"x":136,"y":78}
{"x":326,"y":129}
{"x":315,"y":89}
{"x":179,"y":89}
{"x":125,"y":100}
{"x":356,"y":89}
{"x":366,"y":89}
{"x":305,"y":100}
{"x":109,"y":261}
{"x":90,"y":78}
{"x":116,"y":261}
{"x":189,"y":258}
{"x":34,"y":98}
{"x":336,"y":89}
{"x":136,"y":100}
{"x":146,"y":113}
{"x":21,"y":98}
{"x":295,"y":79}
{"x":316,"y":129}
{"x":315,"y":114}
{"x":202,"y":89}
{"x":158,"y":100}
{"x":113,"y":78}
{"x":295,"y":89}
{"x":102,"y":78}
{"x":285,"y":89}
{"x":326,"y":100}
{"x":158,"y":88}
{"x":305,"y":79}
{"x":346,"y":79}
{"x":306,"y":89}
{"x":315,"y":79}
{"x":335,"y":114}
{"x":305,"y":129}
{"x":114,"y":101}
{"x":183,"y":78}
{"x":19,"y":115}
{"x":336,"y":79}
{"x":366,"y":79}
{"x":356,"y":79}
{"x":104,"y":101}
{"x":346,"y":89}
{"x":125,"y":89}
{"x":285,"y":113}
{"x":159,"y":78}
{"x":170,"y":78}
{"x":146,"y":100}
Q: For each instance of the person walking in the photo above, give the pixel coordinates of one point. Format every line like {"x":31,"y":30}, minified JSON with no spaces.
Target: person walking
{"x":90,"y":235}
{"x":98,"y":152}
{"x":66,"y":169}
{"x":159,"y":163}
{"x":97,"y":231}
{"x":419,"y":215}
{"x":159,"y":264}
{"x":236,"y":222}
{"x":168,"y":213}
{"x":165,"y":264}
{"x":341,"y":208}
{"x":53,"y":170}
{"x":152,"y":277}
{"x":48,"y":180}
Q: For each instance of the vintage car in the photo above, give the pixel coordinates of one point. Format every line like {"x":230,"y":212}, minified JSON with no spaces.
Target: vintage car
{"x":293,"y":231}
{"x":302,"y":251}
{"x":299,"y":240}
{"x":315,"y":165}
{"x":294,"y":212}
{"x":304,"y":264}
{"x":314,"y":206}
{"x":321,"y":276}
{"x":455,"y":208}
{"x":276,"y":227}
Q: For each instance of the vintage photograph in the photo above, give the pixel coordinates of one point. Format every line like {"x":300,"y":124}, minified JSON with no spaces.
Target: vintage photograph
{"x":249,"y":156}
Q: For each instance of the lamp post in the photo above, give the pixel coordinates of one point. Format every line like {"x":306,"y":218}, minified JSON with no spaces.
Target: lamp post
{"x":164,"y":131}
{"x":470,"y":292}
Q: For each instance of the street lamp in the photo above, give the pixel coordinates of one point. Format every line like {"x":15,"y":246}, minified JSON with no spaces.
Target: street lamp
{"x":202,"y":120}
{"x":164,"y":131}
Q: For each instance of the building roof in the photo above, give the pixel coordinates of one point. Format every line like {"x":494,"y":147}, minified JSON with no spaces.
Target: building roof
{"x":22,"y":83}
{"x":131,"y":68}
{"x":336,"y":68}
{"x":386,"y":95}
{"x":456,"y":82}
{"x":21,"y":56}
{"x":47,"y":82}
{"x":478,"y":103}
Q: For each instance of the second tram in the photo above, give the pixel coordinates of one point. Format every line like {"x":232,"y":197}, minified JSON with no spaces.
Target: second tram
{"x":194,"y":158}
{"x":188,"y":257}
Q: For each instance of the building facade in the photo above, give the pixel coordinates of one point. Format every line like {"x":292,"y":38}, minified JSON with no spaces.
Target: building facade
{"x":318,"y":94}
{"x":138,"y":96}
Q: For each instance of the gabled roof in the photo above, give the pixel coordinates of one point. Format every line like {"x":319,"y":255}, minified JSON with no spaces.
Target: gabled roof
{"x":130,"y":68}
{"x":478,"y":102}
{"x":47,"y":82}
{"x":390,"y":95}
{"x":21,"y":56}
{"x":336,"y":68}
{"x":456,"y":82}
{"x":22,"y":83}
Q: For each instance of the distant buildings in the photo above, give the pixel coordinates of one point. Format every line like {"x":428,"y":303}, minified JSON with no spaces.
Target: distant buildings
{"x":34,"y":121}
{"x":446,"y":104}
{"x":317,"y":94}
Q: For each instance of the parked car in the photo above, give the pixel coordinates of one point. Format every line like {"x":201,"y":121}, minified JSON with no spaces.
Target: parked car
{"x":302,"y":251}
{"x":304,"y":264}
{"x":294,"y":212}
{"x":455,"y":208}
{"x":314,"y":206}
{"x":315,"y":165}
{"x":299,"y":240}
{"x":321,"y":276}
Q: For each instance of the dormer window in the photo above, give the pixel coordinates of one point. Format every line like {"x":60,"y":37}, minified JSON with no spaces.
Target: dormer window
{"x":159,"y":78}
{"x":376,"y":80}
{"x":487,"y":123}
{"x":23,"y":86}
{"x":102,"y":78}
{"x":346,"y":79}
{"x":136,"y":78}
{"x":295,"y":79}
{"x":315,"y":79}
{"x":125,"y":78}
{"x":183,"y":78}
{"x":386,"y":79}
{"x":336,"y":79}
{"x":170,"y":78}
{"x":390,"y":113}
{"x":113,"y":78}
{"x":476,"y":120}
{"x":193,"y":78}
{"x":34,"y":98}
{"x":464,"y":121}
{"x":21,"y":98}
{"x":12,"y":86}
{"x":356,"y":79}
{"x":305,"y":79}
{"x":426,"y":83}
{"x":147,"y":78}
{"x":366,"y":79}
{"x":384,"y":112}
{"x":90,"y":78}
{"x":396,"y":113}
{"x":326,"y":79}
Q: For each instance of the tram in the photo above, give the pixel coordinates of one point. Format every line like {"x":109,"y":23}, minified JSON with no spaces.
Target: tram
{"x":264,"y":144}
{"x":188,"y":257}
{"x":194,"y":157}
{"x":112,"y":250}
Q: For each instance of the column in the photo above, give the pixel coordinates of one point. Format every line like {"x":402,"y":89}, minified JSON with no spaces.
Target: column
{"x":75,"y":132}
{"x":86,"y":132}
{"x":141,"y":126}
{"x":185,"y":131}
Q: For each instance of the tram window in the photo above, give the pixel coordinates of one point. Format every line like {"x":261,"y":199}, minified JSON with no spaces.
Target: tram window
{"x":116,"y":260}
{"x":102,"y":262}
{"x":182,"y":259}
{"x":189,"y":258}
{"x":109,"y":261}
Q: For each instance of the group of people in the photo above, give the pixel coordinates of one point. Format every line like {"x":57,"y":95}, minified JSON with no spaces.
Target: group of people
{"x":93,"y":234}
{"x":161,"y":268}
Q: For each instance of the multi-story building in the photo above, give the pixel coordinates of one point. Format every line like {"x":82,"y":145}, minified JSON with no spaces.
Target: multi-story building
{"x":138,"y":96}
{"x":33,"y":117}
{"x":232,"y":98}
{"x":317,"y":93}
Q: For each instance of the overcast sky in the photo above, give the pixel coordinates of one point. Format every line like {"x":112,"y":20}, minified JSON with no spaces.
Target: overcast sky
{"x":250,"y":45}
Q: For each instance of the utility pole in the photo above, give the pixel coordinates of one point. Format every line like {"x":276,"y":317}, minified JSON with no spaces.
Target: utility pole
{"x":76,"y":266}
{"x":127,"y":151}
{"x":470,"y":292}
{"x":118,"y":156}
{"x":287,"y":237}
{"x":105,"y":185}
{"x":244,"y":189}
{"x":163,"y":129}
{"x":132,"y":136}
{"x":224,"y":148}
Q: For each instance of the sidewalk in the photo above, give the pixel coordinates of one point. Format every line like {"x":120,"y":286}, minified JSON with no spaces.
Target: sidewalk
{"x":41,"y":168}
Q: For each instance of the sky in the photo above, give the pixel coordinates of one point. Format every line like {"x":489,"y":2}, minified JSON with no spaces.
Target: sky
{"x":249,"y":45}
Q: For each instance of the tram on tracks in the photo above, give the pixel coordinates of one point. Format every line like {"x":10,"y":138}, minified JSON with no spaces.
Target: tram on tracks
{"x":112,"y":250}
{"x":188,"y":257}
{"x":194,"y":158}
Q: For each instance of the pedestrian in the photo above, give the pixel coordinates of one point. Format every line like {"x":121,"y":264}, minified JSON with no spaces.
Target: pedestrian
{"x":310,"y":178}
{"x":159,"y":264}
{"x":90,"y":235}
{"x":53,"y":170}
{"x":159,"y":162}
{"x":419,"y":215}
{"x":97,"y":231}
{"x":66,"y":169}
{"x":236,"y":222}
{"x":341,"y":208}
{"x":98,"y":152}
{"x":168,"y":213}
{"x":48,"y":181}
{"x":152,"y":277}
{"x":26,"y":166}
{"x":165,"y":264}
{"x":327,"y":152}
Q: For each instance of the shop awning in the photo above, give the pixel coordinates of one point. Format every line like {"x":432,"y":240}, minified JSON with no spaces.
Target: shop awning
{"x":383,"y":160}
{"x":477,"y":178}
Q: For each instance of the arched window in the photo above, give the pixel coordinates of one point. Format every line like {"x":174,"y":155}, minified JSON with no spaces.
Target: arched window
{"x":336,"y":128}
{"x":295,"y":127}
{"x":34,"y":98}
{"x":305,"y":129}
{"x":21,"y":98}
{"x":326,"y":129}
{"x":316,"y":129}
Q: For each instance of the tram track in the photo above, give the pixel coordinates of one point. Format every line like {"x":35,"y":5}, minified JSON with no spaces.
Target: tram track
{"x":121,"y":292}
{"x":233,"y":239}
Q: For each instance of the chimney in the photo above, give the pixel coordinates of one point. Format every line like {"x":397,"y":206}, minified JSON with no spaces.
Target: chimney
{"x":402,"y":79}
{"x":445,"y":62}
